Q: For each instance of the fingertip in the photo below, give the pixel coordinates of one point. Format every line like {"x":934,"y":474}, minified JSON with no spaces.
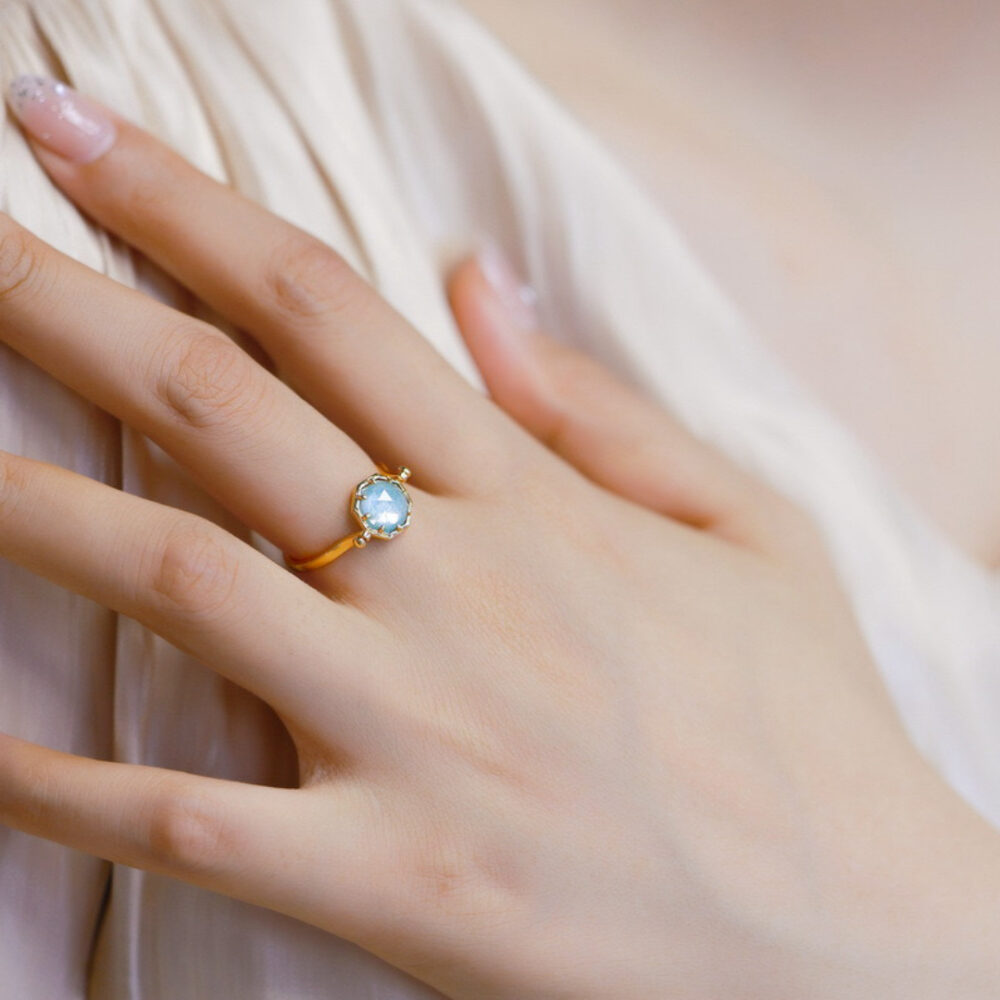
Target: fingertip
{"x":484,"y":318}
{"x":463,"y":285}
{"x":504,"y":351}
{"x":489,"y":299}
{"x":516,"y":298}
{"x":60,"y":121}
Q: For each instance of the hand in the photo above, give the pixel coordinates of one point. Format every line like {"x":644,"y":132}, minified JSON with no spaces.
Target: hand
{"x":599,"y":724}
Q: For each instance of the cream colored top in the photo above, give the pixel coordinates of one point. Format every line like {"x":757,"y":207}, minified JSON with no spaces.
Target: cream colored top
{"x":397,"y":130}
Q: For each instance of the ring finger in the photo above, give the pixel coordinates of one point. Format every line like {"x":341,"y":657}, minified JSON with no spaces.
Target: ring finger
{"x":245,"y":435}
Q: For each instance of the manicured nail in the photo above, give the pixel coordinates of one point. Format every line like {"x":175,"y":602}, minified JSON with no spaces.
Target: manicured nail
{"x":61,"y":119}
{"x":518,"y":299}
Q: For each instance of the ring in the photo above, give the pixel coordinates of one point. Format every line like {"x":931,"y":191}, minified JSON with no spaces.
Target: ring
{"x":380,"y":504}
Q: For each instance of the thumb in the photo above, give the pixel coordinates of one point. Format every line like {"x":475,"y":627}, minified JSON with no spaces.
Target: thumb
{"x":617,"y":437}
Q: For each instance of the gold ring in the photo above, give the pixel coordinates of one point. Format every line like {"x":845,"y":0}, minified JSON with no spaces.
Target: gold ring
{"x":382,"y":506}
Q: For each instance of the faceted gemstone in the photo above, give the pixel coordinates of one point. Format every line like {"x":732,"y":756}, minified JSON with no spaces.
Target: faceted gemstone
{"x":382,"y":506}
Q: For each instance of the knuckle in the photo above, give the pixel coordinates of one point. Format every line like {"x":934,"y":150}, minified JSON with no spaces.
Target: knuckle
{"x":142,"y":198}
{"x":146,"y":193}
{"x":445,"y":870}
{"x":188,"y":832}
{"x":454,"y":886}
{"x":195,"y":572}
{"x":20,"y":262}
{"x":206,"y":380}
{"x":306,"y":279}
{"x":442,"y":876}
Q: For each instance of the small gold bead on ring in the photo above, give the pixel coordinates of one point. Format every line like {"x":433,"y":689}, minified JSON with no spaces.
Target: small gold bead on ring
{"x":380,"y":504}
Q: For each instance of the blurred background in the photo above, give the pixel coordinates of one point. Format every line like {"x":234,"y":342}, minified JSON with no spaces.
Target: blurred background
{"x":835,"y":165}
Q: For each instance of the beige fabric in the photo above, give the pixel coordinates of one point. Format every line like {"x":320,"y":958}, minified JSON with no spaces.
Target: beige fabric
{"x":396,"y":130}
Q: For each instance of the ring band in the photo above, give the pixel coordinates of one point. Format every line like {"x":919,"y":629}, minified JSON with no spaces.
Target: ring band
{"x":382,"y":506}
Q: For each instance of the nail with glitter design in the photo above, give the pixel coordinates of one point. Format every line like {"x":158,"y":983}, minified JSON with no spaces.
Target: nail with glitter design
{"x":61,"y":119}
{"x":518,"y":298}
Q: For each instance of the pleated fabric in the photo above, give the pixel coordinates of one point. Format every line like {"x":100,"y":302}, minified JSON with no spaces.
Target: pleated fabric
{"x":398,"y":131}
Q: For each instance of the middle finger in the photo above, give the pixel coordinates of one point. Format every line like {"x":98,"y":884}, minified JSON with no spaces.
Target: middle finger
{"x":331,"y":336}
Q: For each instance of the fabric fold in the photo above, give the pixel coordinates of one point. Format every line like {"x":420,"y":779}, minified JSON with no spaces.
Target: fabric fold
{"x":399,"y":131}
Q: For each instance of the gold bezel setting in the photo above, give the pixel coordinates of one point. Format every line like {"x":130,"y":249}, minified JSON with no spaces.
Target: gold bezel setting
{"x":359,"y":539}
{"x":370,"y":530}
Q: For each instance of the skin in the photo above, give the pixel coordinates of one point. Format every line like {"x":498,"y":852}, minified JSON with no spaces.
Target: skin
{"x":601,"y":757}
{"x":834,"y":166}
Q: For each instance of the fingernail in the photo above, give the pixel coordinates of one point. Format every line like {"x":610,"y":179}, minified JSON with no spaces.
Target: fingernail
{"x":518,"y":298}
{"x":63,"y":120}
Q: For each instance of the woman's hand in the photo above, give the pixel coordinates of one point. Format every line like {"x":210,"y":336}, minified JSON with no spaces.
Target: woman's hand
{"x":599,"y":724}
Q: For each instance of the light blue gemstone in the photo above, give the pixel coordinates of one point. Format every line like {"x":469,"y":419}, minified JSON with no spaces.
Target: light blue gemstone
{"x":382,"y":506}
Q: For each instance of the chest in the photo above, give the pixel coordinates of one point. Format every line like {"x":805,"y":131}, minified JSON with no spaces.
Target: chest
{"x":867,"y":261}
